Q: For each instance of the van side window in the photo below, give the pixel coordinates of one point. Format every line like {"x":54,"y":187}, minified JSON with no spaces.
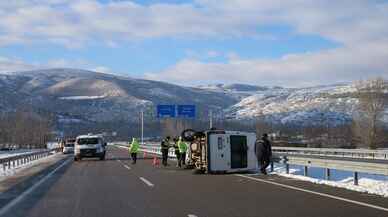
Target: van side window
{"x":220,"y":143}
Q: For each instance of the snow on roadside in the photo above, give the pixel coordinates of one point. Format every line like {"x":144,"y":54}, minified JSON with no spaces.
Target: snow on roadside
{"x":5,"y":154}
{"x":17,"y":169}
{"x":372,"y":184}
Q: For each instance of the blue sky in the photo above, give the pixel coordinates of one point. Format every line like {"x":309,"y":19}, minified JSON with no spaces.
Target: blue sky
{"x":210,"y":41}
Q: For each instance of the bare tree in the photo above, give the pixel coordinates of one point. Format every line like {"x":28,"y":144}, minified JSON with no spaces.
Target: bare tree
{"x":24,"y":129}
{"x":367,"y":126}
{"x":263,"y":127}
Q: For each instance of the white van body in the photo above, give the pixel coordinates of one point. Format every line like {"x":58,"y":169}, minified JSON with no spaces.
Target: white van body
{"x":232,"y":152}
{"x":219,"y":151}
{"x":89,"y":146}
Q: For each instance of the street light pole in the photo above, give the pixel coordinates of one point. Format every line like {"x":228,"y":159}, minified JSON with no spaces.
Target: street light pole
{"x":142,"y":126}
{"x":211,"y":118}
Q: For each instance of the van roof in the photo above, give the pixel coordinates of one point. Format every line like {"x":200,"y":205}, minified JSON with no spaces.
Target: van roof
{"x":88,"y":136}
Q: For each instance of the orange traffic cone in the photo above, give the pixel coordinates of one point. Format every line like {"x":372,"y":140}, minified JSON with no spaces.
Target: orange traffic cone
{"x":155,"y":162}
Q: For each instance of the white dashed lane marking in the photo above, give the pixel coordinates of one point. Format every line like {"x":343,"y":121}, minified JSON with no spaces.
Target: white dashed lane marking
{"x":147,"y":182}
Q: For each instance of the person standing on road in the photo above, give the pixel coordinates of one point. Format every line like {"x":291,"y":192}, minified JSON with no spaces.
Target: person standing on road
{"x":264,"y":153}
{"x":134,"y":149}
{"x":165,"y":145}
{"x":177,"y":153}
{"x":182,"y":152}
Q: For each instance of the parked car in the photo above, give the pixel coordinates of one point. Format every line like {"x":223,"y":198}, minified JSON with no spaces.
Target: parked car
{"x":68,"y":146}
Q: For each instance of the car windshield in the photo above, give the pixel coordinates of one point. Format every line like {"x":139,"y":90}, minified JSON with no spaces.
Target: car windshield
{"x":88,"y":141}
{"x":69,"y":145}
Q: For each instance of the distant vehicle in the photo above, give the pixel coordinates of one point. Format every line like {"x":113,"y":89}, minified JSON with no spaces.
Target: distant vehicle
{"x":89,"y":146}
{"x":219,"y":151}
{"x":68,"y":146}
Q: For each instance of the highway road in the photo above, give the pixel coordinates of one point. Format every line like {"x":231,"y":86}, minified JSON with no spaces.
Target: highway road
{"x":114,"y":187}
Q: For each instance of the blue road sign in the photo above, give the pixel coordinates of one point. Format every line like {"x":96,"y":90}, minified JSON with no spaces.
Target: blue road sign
{"x":186,"y":111}
{"x":166,"y":111}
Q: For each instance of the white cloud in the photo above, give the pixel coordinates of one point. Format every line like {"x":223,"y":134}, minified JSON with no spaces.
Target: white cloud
{"x":359,"y":27}
{"x":9,"y":65}
{"x":331,"y":66}
{"x":103,"y":69}
{"x":75,"y":23}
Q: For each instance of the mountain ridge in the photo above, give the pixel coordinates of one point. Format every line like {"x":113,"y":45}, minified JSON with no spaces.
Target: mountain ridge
{"x":95,"y":96}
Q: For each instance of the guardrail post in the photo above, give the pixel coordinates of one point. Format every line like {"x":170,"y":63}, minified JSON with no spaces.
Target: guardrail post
{"x":287,"y":168}
{"x":327,"y":173}
{"x":4,"y":167}
{"x":13,"y":163}
{"x":355,"y":178}
{"x":9,"y":164}
{"x":305,"y":171}
{"x":271,"y":166}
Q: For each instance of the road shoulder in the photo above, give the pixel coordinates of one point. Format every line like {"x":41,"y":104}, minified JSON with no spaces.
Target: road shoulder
{"x":13,"y":185}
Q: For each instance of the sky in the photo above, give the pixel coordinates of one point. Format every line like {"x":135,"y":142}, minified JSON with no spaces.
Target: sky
{"x":291,"y":43}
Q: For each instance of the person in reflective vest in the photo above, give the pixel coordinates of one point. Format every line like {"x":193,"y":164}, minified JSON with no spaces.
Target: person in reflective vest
{"x":165,"y":145}
{"x":134,"y":149}
{"x":182,"y":152}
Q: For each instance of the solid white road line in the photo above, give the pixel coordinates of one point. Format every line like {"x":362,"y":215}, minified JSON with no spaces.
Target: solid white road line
{"x":191,"y":215}
{"x":316,"y":193}
{"x":147,"y":182}
{"x":11,"y":204}
{"x":126,"y":166}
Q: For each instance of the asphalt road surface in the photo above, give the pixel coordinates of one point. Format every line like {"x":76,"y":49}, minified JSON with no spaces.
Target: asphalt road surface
{"x":114,"y":187}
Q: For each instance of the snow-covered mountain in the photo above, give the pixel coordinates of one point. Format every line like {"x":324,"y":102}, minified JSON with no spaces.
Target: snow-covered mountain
{"x":77,"y":95}
{"x":332,"y":104}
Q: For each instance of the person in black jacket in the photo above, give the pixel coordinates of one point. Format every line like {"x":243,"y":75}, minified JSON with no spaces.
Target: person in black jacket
{"x":264,"y":153}
{"x":165,"y":145}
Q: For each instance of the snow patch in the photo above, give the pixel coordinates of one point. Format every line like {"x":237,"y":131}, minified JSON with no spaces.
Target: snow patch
{"x":371,"y":184}
{"x":81,"y":97}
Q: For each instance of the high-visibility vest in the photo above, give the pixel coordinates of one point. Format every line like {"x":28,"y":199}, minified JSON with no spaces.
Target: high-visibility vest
{"x":182,"y":147}
{"x":134,"y":147}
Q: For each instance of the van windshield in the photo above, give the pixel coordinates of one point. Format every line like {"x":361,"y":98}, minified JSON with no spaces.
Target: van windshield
{"x":84,"y":141}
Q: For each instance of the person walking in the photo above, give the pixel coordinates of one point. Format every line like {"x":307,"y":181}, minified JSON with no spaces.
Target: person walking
{"x":165,"y":145}
{"x":177,"y":153}
{"x":134,"y":149}
{"x":264,"y":153}
{"x":182,"y":152}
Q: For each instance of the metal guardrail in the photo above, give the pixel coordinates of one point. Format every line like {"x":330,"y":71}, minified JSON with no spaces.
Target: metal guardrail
{"x":352,"y":160}
{"x":153,"y":150}
{"x":359,"y":160}
{"x":350,"y":153}
{"x":15,"y":161}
